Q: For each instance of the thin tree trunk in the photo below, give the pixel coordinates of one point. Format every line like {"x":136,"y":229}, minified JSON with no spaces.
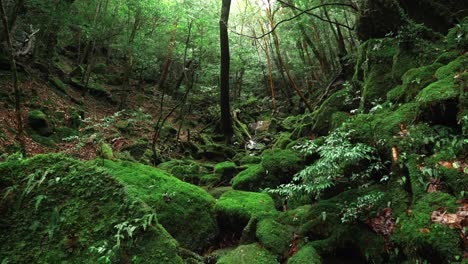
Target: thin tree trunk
{"x":226,"y":119}
{"x":17,"y":89}
{"x":270,"y":75}
{"x":129,"y":66}
{"x":168,"y":60}
{"x":285,"y":67}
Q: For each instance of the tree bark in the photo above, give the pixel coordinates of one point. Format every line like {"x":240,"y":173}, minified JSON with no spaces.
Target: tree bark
{"x":168,"y":60}
{"x":16,"y":87}
{"x":226,"y":119}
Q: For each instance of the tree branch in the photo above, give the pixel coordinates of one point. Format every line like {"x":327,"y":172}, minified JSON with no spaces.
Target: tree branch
{"x":307,"y":11}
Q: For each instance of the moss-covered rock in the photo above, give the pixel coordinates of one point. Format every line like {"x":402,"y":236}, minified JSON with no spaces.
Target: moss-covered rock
{"x":419,"y":237}
{"x":282,"y":141}
{"x":375,"y":66}
{"x":186,"y":211}
{"x":39,"y":122}
{"x":77,"y":209}
{"x":186,"y":170}
{"x":454,"y":67}
{"x":277,"y":167}
{"x":282,"y":163}
{"x":250,"y":160}
{"x":416,"y":79}
{"x":248,"y":254}
{"x":274,"y":236}
{"x":251,"y":179}
{"x":235,"y":208}
{"x":306,"y":254}
{"x":226,"y":170}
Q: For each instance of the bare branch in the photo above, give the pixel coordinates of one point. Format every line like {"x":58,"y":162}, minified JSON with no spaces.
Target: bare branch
{"x":307,"y":11}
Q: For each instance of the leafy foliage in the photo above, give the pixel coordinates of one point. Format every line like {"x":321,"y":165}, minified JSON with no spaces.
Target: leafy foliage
{"x":338,"y":156}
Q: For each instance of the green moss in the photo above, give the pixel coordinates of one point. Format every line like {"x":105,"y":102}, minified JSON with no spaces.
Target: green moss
{"x":186,"y":211}
{"x":322,"y":118}
{"x":338,"y":118}
{"x":282,"y":141}
{"x":57,"y":83}
{"x":377,"y":69}
{"x":210,"y":179}
{"x":252,"y":179}
{"x":105,"y":151}
{"x":186,"y":170}
{"x":248,"y":254}
{"x":250,"y":160}
{"x":39,"y":122}
{"x":418,"y":236}
{"x":438,"y":92}
{"x":283,"y":163}
{"x":447,"y":57}
{"x":277,"y":167}
{"x":274,"y":236}
{"x":226,"y":170}
{"x":416,"y":79}
{"x":235,"y":208}
{"x":383,"y":126}
{"x":396,"y":94}
{"x":306,"y":254}
{"x":76,"y":207}
{"x":454,"y":67}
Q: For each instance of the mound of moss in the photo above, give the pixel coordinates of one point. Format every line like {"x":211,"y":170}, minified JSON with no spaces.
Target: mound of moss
{"x":39,"y":123}
{"x":419,"y":237}
{"x":306,"y":254}
{"x":251,"y":179}
{"x":235,"y":208}
{"x":281,"y":163}
{"x":248,"y":254}
{"x":186,"y":211}
{"x":226,"y":170}
{"x":185,"y":170}
{"x":277,"y":167}
{"x":59,"y":210}
{"x":274,"y":236}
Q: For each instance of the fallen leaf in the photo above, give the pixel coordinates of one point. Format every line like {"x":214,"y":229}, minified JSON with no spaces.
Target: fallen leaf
{"x":424,"y":230}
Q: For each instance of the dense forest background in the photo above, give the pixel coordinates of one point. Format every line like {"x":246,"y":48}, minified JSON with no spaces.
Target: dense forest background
{"x":233,"y":131}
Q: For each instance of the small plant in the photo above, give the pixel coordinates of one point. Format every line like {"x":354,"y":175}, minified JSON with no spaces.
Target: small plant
{"x":351,"y":212}
{"x":338,"y":156}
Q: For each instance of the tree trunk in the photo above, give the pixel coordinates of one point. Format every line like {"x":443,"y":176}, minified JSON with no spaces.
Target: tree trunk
{"x":226,"y":119}
{"x":285,"y":67}
{"x":270,"y":75}
{"x":168,"y":60}
{"x":17,"y":89}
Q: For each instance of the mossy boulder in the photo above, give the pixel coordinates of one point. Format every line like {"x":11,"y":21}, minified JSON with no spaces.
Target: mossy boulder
{"x":274,"y":236}
{"x":137,"y":149}
{"x":282,"y":141}
{"x":186,"y":211}
{"x":277,"y":167}
{"x":76,"y":208}
{"x":39,"y":123}
{"x":451,"y":69}
{"x":306,"y":254}
{"x":419,"y":237}
{"x":250,"y":160}
{"x":226,"y":170}
{"x":374,"y":68}
{"x":281,"y":163}
{"x":235,"y":208}
{"x":414,"y":80}
{"x":249,"y":254}
{"x":251,"y":179}
{"x":215,"y":152}
{"x":186,"y":170}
